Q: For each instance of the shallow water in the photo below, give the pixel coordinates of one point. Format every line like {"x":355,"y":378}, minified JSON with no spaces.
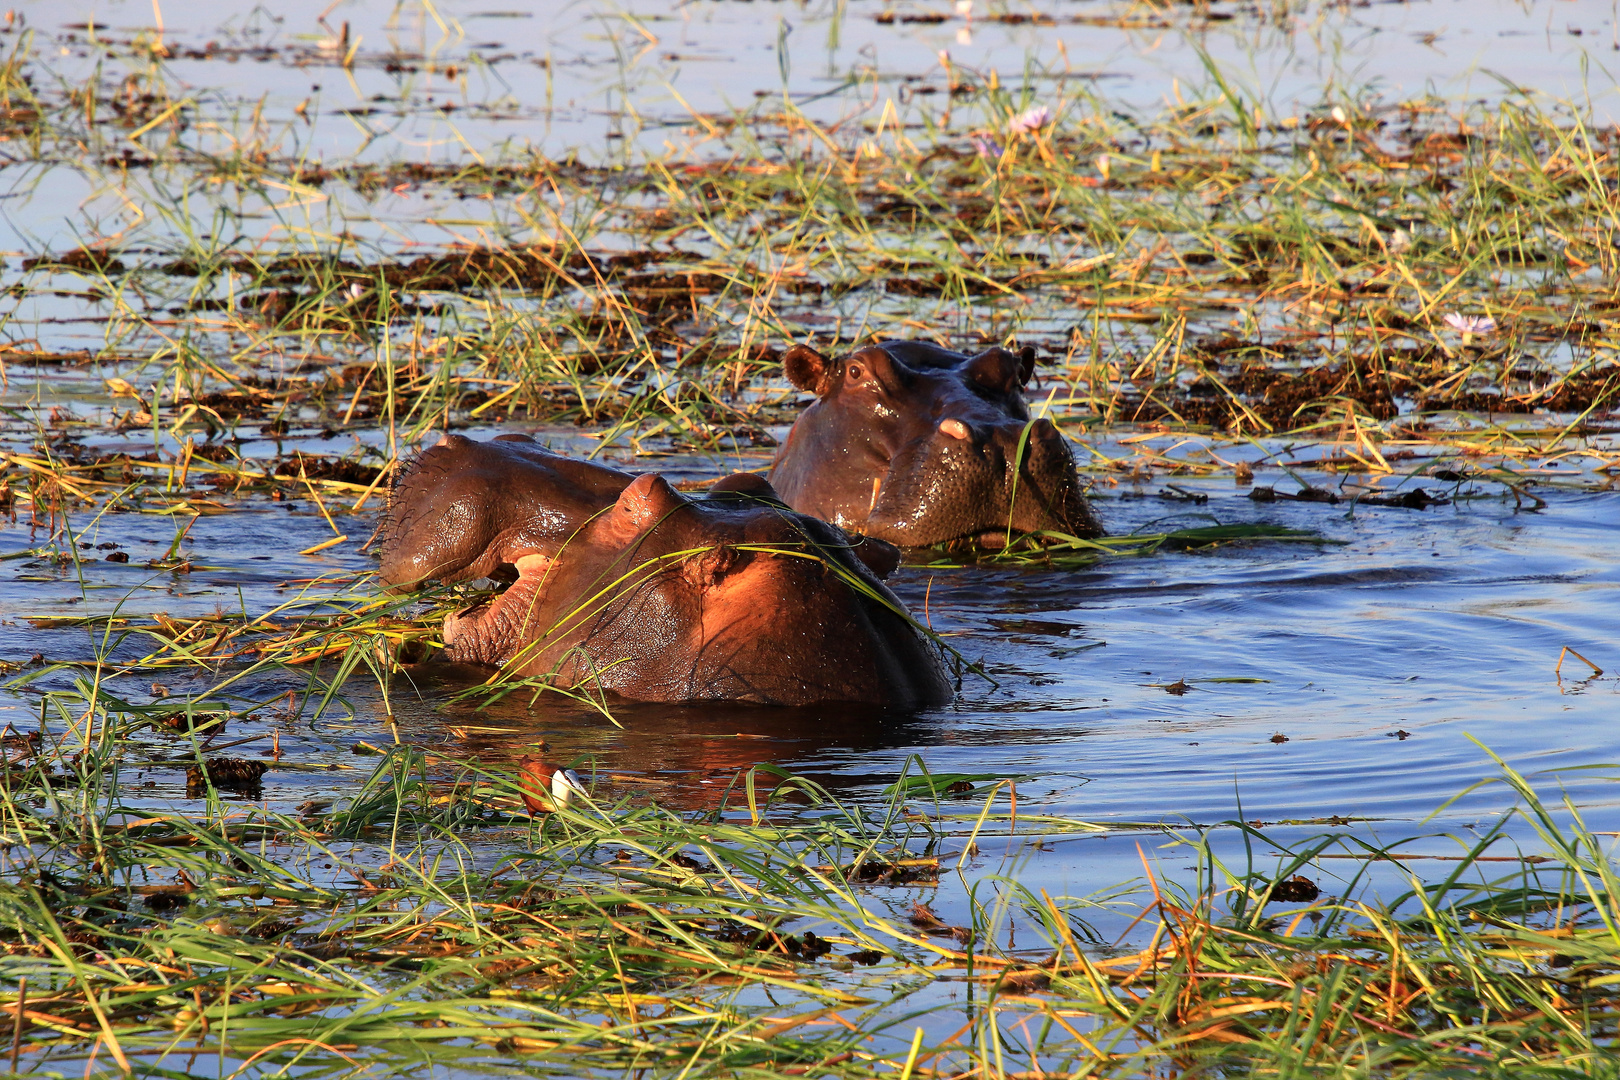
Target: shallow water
{"x":611,"y":82}
{"x":1379,"y":655}
{"x":1388,"y":657}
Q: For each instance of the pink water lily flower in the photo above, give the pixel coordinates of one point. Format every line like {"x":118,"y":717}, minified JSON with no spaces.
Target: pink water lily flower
{"x":1471,"y":324}
{"x":987,"y":148}
{"x":1030,"y":120}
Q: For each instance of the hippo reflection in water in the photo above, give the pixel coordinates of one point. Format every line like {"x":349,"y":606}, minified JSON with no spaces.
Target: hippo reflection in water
{"x":918,"y":445}
{"x":622,"y":582}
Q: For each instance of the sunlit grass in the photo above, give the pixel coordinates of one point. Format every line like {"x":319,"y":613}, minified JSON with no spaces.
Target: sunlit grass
{"x":614,"y":935}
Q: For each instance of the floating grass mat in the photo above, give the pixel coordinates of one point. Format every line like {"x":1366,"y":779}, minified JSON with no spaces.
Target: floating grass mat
{"x":1365,"y":271}
{"x":1060,"y":551}
{"x":765,"y":938}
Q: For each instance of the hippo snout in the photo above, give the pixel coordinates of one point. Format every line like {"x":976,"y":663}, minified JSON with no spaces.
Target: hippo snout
{"x":972,"y":478}
{"x":1031,"y":454}
{"x":1048,"y":452}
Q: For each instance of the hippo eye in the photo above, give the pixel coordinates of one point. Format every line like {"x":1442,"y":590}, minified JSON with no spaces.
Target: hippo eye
{"x":857,"y":373}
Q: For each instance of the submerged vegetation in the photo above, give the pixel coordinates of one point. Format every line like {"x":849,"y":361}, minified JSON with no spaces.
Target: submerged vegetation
{"x":1415,"y":299}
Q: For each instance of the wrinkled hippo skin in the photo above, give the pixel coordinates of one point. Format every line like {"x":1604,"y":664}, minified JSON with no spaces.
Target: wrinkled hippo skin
{"x":624,"y":583}
{"x":915,"y":444}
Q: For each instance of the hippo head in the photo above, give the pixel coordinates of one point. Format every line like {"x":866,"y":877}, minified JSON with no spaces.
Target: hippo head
{"x":626,"y":584}
{"x":918,"y":445}
{"x":467,"y":510}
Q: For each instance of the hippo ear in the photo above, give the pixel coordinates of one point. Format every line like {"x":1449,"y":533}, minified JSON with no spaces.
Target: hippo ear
{"x":880,"y":556}
{"x":646,"y":501}
{"x":453,"y":441}
{"x":751,"y":485}
{"x":998,"y":369}
{"x":1026,"y":364}
{"x":805,"y":368}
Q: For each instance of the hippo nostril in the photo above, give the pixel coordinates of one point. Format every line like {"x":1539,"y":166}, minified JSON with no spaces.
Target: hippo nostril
{"x":954,"y":428}
{"x":706,"y":570}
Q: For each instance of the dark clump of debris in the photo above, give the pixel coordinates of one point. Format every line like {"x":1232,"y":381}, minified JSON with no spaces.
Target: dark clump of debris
{"x":225,"y":774}
{"x":299,"y":465}
{"x":687,"y":862}
{"x":1242,"y":385}
{"x":1024,"y":982}
{"x":191,"y":719}
{"x":86,"y":259}
{"x":1283,"y":399}
{"x":880,"y":872}
{"x":273,"y":928}
{"x":1416,"y":499}
{"x":923,"y":918}
{"x":808,"y":946}
{"x":1295,"y":890}
{"x":168,"y":900}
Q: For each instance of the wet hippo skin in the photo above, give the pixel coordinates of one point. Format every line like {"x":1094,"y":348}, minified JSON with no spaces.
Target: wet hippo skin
{"x":624,"y":583}
{"x":468,"y":510}
{"x":915,"y":444}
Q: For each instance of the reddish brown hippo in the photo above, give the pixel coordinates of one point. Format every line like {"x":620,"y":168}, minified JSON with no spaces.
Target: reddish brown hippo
{"x":918,"y":445}
{"x":621,"y":582}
